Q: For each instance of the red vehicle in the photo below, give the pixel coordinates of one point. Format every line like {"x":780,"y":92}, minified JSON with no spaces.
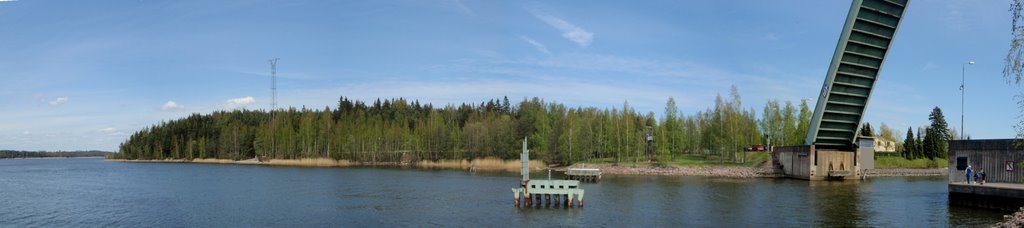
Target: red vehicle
{"x":755,"y":148}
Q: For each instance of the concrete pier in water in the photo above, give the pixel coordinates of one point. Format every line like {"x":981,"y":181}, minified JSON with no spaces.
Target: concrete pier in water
{"x":540,"y":192}
{"x":583,"y":174}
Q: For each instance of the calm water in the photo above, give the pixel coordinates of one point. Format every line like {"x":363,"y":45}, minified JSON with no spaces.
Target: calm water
{"x":92,"y":192}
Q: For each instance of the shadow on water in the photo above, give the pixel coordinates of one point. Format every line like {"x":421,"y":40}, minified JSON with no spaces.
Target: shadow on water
{"x":837,"y":203}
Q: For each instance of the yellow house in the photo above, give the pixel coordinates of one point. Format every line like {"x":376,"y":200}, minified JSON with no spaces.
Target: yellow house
{"x":884,"y":145}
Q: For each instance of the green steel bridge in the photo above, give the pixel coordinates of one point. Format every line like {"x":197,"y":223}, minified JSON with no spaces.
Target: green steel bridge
{"x":863,"y":44}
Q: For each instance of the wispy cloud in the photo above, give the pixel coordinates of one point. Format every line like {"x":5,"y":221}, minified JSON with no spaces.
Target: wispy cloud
{"x":239,"y":102}
{"x":460,"y":6}
{"x":651,"y":81}
{"x":955,"y":16}
{"x":171,"y":105}
{"x":540,"y":47}
{"x":569,"y":30}
{"x":59,"y":101}
{"x":929,"y":66}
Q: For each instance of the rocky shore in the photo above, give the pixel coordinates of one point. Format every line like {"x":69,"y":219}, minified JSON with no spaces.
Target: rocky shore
{"x":906,"y":172}
{"x":488,"y":164}
{"x":707,"y":171}
{"x":480,"y":164}
{"x":737,"y":171}
{"x":1013,"y":220}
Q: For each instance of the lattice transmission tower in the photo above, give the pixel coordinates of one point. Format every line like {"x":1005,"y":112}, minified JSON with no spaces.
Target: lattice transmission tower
{"x":273,"y":84}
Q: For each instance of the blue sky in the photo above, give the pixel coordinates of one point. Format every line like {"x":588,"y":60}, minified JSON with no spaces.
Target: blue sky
{"x":86,"y":74}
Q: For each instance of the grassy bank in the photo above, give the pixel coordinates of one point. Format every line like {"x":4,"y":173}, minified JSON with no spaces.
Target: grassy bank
{"x":689,"y":165}
{"x":690,"y":160}
{"x":893,"y":162}
{"x":480,"y":164}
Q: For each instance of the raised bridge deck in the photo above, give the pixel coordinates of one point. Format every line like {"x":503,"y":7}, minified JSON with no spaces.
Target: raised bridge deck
{"x":863,"y":44}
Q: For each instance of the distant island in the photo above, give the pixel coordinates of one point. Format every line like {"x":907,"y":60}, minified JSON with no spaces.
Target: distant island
{"x":401,"y":131}
{"x":4,"y":154}
{"x":485,"y":136}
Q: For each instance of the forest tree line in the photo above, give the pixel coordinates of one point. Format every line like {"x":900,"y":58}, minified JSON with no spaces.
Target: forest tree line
{"x":48,"y":154}
{"x":398,"y":130}
{"x":930,"y":141}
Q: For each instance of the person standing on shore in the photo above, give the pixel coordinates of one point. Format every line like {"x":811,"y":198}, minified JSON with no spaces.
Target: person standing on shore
{"x":968,"y":174}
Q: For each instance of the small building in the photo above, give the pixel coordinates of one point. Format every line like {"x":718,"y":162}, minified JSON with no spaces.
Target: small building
{"x":866,"y":148}
{"x":998,"y":157}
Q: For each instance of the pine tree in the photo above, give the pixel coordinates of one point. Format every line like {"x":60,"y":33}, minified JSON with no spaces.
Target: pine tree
{"x":909,"y":145}
{"x":919,"y":151}
{"x":941,"y":130}
{"x":931,"y":143}
{"x":866,"y":130}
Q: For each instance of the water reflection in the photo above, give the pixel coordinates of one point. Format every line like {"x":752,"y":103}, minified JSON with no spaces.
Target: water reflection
{"x":837,"y":203}
{"x":95,"y":193}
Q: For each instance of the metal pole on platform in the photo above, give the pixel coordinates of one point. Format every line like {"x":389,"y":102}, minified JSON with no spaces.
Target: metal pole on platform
{"x":963,"y":77}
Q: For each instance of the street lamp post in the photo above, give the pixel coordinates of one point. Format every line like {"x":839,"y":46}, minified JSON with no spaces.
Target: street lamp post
{"x":963,"y":69}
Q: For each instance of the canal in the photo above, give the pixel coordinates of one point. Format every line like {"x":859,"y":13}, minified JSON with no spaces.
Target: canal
{"x":92,"y":192}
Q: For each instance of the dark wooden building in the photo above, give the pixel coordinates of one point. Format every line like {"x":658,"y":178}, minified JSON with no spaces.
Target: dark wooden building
{"x":999,"y":158}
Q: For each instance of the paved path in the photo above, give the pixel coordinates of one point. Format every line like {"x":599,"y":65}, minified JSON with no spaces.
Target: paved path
{"x":993,"y":185}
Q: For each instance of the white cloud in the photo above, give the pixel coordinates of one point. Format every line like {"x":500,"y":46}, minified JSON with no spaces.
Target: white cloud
{"x":569,"y":31}
{"x":540,"y":47}
{"x":59,"y":101}
{"x":239,"y":102}
{"x":171,"y":105}
{"x":110,"y":131}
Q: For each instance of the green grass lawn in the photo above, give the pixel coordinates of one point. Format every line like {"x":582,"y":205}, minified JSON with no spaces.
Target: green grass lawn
{"x":752,"y":158}
{"x":888,"y":162}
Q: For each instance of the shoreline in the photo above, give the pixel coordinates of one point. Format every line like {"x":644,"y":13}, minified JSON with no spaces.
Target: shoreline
{"x":480,"y":164}
{"x":700,"y":171}
{"x":906,"y":172}
{"x":1015,"y":219}
{"x":492,"y":164}
{"x":55,"y":157}
{"x":741,"y":171}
